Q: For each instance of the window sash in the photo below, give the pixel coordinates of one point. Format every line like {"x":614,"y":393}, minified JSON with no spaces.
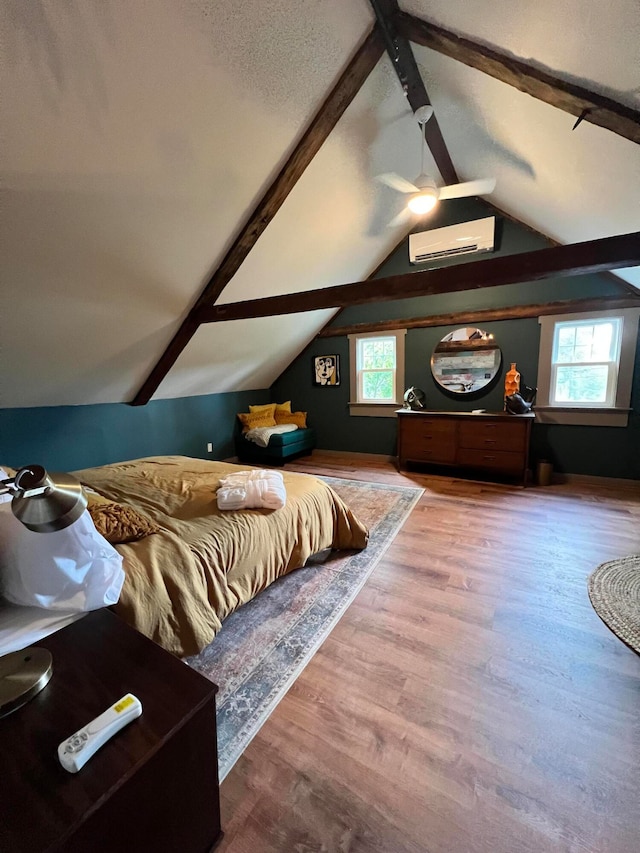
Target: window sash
{"x":363,"y":373}
{"x":364,"y":346}
{"x":610,"y":384}
{"x":612,"y":355}
{"x":610,"y":362}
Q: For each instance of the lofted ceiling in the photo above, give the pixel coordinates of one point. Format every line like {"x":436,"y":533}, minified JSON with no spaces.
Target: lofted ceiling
{"x":138,"y":138}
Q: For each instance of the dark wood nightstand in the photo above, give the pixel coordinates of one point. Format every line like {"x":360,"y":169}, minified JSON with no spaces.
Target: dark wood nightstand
{"x":153,"y":786}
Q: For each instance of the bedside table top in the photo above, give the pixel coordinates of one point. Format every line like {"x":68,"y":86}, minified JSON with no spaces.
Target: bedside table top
{"x":95,"y":661}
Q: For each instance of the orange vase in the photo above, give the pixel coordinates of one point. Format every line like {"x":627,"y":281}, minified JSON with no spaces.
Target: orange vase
{"x":511,"y":381}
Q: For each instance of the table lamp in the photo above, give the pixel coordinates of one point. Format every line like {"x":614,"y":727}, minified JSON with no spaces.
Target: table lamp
{"x":43,"y":503}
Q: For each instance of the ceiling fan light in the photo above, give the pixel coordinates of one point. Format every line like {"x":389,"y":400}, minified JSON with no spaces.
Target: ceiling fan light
{"x":422,"y":202}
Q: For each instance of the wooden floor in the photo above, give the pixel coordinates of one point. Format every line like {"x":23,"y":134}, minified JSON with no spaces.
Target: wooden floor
{"x":470,"y":700}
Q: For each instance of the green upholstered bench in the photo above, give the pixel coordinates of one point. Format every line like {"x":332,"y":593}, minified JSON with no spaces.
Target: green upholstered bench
{"x":281,"y":447}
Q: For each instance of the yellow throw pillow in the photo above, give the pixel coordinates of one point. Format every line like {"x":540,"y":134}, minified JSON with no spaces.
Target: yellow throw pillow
{"x":271,"y":408}
{"x":297,"y":418}
{"x":251,"y":420}
{"x":118,"y":523}
{"x":267,"y":409}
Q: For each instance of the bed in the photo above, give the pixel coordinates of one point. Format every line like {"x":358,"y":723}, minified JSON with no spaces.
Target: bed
{"x":182,"y":581}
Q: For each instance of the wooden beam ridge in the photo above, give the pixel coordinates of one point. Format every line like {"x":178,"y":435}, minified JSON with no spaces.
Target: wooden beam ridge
{"x":593,"y":256}
{"x":348,"y":85}
{"x":570,"y":97}
{"x":486,"y":315}
{"x":612,"y":277}
{"x":406,"y":68}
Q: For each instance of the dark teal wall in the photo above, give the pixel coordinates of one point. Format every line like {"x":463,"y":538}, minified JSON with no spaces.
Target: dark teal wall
{"x":65,"y":438}
{"x":613,"y":452}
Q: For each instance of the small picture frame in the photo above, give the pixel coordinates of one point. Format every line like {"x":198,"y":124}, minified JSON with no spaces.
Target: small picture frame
{"x":326,"y":370}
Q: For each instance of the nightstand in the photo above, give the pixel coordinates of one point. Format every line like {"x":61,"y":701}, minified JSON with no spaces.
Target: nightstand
{"x":153,"y":786}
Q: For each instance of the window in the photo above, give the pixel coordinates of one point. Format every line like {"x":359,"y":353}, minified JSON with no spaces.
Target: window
{"x":376,"y":366}
{"x":586,"y":367}
{"x":376,"y":372}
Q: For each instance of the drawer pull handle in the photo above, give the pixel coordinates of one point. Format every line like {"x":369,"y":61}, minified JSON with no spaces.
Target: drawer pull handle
{"x":489,"y":441}
{"x":489,"y":458}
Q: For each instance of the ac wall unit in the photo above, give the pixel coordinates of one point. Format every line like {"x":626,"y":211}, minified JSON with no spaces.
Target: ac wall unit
{"x":463,"y":239}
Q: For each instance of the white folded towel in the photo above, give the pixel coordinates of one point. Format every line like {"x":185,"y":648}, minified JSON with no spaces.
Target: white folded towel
{"x":252,"y":489}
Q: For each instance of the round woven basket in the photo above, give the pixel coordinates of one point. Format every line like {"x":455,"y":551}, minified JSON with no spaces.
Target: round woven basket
{"x":614,"y":590}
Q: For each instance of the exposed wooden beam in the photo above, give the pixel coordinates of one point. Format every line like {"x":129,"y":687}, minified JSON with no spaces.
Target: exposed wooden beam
{"x":614,"y":279}
{"x":485,"y":315}
{"x":576,"y":259}
{"x":406,"y":68}
{"x":611,"y":277}
{"x":573,"y":99}
{"x":342,"y":94}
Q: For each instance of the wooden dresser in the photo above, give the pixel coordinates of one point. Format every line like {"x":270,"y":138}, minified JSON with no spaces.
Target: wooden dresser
{"x":492,"y":442}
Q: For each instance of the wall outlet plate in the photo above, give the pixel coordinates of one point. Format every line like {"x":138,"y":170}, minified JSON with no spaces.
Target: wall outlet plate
{"x":210,"y":447}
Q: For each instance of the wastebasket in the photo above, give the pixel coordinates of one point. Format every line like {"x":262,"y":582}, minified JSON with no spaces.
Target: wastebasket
{"x":544,"y":472}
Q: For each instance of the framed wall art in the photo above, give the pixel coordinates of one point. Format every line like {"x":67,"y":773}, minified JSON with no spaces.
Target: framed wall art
{"x":326,"y":370}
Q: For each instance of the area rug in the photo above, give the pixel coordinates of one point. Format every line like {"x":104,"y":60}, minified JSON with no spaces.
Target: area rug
{"x":614,"y":590}
{"x":264,"y":646}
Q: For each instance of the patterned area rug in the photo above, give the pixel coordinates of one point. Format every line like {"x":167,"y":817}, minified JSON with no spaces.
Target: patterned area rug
{"x":265,"y":645}
{"x":614,"y":590}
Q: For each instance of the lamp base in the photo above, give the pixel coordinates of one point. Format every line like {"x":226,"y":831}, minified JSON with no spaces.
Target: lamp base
{"x":23,"y":674}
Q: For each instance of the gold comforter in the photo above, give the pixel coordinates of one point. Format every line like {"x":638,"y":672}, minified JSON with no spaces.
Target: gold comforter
{"x":182,"y":582}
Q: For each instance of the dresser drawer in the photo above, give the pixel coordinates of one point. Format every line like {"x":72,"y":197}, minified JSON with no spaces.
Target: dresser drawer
{"x":438,"y":447}
{"x":507,"y":462}
{"x":420,"y":427}
{"x":489,"y":435}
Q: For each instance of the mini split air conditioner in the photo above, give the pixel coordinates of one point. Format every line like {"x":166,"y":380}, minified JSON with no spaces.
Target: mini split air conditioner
{"x":463,"y":239}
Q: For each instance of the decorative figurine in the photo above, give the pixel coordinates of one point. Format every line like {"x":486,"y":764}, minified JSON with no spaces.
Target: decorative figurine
{"x":512,"y":381}
{"x":414,"y":398}
{"x":515,"y":404}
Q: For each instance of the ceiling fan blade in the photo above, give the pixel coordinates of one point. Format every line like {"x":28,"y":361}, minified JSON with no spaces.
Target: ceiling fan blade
{"x":403,"y":218}
{"x":484,"y":186}
{"x":396,"y":182}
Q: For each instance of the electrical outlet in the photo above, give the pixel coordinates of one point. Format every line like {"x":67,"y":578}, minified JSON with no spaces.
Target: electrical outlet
{"x":209,"y":447}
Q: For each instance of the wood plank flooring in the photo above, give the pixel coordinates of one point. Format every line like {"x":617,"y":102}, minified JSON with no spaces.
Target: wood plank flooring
{"x":470,"y":700}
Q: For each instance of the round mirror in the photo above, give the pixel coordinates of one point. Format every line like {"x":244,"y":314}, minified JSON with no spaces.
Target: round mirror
{"x":465,"y":360}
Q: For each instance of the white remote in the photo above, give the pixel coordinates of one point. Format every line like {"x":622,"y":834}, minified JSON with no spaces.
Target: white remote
{"x":75,"y":751}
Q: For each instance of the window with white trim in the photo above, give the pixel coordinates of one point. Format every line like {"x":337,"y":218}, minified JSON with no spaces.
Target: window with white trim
{"x":376,"y":372}
{"x":584,"y":364}
{"x":585,"y":368}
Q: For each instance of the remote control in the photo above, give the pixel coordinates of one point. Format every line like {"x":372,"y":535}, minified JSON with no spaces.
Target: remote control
{"x":75,"y":751}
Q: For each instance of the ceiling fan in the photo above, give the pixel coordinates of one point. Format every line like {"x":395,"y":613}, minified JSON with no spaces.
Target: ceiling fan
{"x":424,"y":192}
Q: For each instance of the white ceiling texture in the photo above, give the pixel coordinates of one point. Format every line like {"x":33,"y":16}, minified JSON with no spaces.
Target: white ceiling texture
{"x":138,"y":136}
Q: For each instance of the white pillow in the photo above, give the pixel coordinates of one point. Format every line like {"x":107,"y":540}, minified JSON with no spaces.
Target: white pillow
{"x":74,"y":569}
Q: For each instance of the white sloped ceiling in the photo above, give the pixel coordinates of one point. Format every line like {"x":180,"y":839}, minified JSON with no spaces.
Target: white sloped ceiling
{"x":570,"y":185}
{"x":138,"y":137}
